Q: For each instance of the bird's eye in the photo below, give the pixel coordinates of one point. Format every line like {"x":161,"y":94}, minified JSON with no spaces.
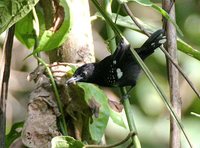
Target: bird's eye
{"x":84,"y":73}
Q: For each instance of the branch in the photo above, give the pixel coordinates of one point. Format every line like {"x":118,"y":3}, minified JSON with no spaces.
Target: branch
{"x":8,"y":44}
{"x":171,"y":47}
{"x":131,"y":134}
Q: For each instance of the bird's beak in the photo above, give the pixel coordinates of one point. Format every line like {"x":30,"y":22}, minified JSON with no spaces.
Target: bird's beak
{"x":73,"y":80}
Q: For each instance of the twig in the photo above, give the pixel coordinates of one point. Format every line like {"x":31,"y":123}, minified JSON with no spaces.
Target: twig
{"x":62,"y":122}
{"x":134,"y":20}
{"x":129,"y":116}
{"x":110,"y":32}
{"x":131,"y":134}
{"x":195,"y":114}
{"x":125,"y":100}
{"x":8,"y":44}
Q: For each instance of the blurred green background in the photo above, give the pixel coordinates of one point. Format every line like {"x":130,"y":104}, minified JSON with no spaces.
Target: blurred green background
{"x":150,"y":114}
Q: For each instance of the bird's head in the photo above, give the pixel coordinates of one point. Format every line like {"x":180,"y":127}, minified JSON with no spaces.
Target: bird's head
{"x":82,"y":74}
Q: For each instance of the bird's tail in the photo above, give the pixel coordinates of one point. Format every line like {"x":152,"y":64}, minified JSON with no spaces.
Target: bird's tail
{"x":153,"y":42}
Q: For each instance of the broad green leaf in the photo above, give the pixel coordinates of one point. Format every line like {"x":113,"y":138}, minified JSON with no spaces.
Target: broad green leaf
{"x":50,"y":40}
{"x":13,"y":10}
{"x":14,"y":133}
{"x":24,"y":31}
{"x":98,"y":101}
{"x":117,"y":118}
{"x":65,"y":142}
{"x":189,"y":50}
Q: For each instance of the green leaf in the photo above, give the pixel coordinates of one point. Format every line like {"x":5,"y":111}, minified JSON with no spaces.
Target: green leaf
{"x":142,"y":2}
{"x":65,"y":142}
{"x":189,"y":50}
{"x":98,"y":101}
{"x":50,"y":40}
{"x":117,"y":118}
{"x":24,"y":31}
{"x":14,"y":133}
{"x":13,"y":10}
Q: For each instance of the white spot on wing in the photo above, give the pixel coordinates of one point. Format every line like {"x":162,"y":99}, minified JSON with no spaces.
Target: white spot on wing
{"x":153,"y":44}
{"x":162,"y":41}
{"x":114,"y":62}
{"x":119,"y":73}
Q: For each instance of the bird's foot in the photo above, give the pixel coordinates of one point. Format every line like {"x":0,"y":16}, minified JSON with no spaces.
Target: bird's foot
{"x":124,"y":97}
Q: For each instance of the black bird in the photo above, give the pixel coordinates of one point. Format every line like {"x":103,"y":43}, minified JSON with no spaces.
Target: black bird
{"x":119,"y":69}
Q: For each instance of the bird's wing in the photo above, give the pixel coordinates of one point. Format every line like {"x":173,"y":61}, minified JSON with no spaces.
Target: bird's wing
{"x":120,"y":51}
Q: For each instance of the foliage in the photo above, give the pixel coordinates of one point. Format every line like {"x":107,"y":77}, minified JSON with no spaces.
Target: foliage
{"x":15,"y":132}
{"x":65,"y":141}
{"x":13,"y":10}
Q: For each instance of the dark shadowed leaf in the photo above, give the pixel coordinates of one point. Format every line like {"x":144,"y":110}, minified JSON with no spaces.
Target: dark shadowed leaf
{"x":14,"y":133}
{"x":24,"y":31}
{"x":13,"y":10}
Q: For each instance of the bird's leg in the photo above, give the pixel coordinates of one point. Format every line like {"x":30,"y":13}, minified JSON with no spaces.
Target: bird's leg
{"x":127,"y":95}
{"x":129,"y":90}
{"x":124,"y":97}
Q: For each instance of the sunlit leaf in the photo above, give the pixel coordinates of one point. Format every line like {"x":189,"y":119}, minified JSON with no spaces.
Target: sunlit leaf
{"x":96,"y":98}
{"x":189,"y":50}
{"x":117,"y":118}
{"x":65,"y":142}
{"x":49,"y":39}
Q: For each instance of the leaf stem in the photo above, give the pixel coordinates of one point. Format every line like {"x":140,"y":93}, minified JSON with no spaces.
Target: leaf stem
{"x":129,"y":116}
{"x":126,"y":103}
{"x":110,"y":32}
{"x":131,"y":134}
{"x":62,"y":123}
